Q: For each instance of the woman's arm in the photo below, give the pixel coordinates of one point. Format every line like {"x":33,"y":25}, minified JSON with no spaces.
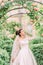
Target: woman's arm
{"x":33,"y":33}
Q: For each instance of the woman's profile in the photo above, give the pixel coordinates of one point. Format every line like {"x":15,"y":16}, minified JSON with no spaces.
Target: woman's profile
{"x":21,"y":53}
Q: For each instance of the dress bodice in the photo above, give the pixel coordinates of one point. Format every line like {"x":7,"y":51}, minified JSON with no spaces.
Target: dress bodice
{"x":24,"y":42}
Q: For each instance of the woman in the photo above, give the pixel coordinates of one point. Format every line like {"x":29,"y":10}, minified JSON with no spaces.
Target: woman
{"x":21,"y":53}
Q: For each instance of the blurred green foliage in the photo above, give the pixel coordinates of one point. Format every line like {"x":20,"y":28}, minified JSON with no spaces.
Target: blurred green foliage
{"x":36,"y":46}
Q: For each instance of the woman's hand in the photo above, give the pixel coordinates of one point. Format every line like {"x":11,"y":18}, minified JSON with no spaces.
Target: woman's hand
{"x":12,"y":60}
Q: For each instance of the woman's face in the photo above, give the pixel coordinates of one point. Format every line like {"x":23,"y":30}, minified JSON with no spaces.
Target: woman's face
{"x":22,"y":33}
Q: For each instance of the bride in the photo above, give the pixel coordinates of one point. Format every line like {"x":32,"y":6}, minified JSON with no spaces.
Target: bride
{"x":21,"y":53}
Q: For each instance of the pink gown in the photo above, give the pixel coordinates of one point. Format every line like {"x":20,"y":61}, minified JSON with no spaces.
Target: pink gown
{"x":22,"y":53}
